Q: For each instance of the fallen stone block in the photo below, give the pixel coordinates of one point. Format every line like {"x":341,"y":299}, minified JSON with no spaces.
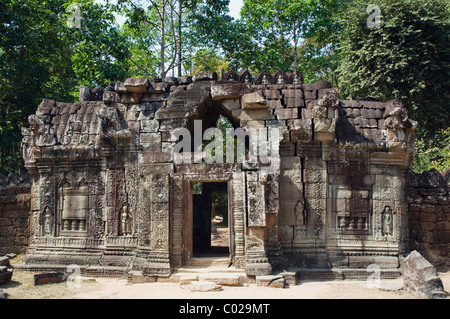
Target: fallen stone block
{"x":3,"y":295}
{"x":223,"y":279}
{"x":4,"y":261}
{"x":202,"y":286}
{"x":5,"y":275}
{"x":290,"y":277}
{"x":266,"y":281}
{"x":49,"y":278}
{"x":187,"y":279}
{"x":420,"y":277}
{"x":278,"y":283}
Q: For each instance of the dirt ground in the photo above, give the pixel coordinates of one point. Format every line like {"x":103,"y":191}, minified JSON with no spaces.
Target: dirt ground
{"x":21,"y":287}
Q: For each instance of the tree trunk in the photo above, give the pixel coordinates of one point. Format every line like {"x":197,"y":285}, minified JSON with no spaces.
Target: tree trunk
{"x":295,"y":49}
{"x":179,"y":38}
{"x":163,"y":49}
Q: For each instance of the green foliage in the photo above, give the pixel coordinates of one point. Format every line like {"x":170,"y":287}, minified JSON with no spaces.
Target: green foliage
{"x":204,"y":60}
{"x":197,"y":187}
{"x":287,"y":34}
{"x":41,"y":56}
{"x":33,"y":60}
{"x":167,"y":34}
{"x":407,"y":58}
{"x":432,"y":153}
{"x":99,"y":47}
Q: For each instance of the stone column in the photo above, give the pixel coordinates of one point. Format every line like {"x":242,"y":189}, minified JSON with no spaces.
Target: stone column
{"x":257,"y":261}
{"x":176,"y":216}
{"x":159,"y":259}
{"x":238,"y":217}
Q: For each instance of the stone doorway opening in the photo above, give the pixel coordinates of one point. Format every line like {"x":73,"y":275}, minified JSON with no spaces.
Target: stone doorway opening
{"x":210,"y":213}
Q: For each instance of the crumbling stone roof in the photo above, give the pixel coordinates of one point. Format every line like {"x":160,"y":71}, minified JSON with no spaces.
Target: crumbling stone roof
{"x":71,"y":123}
{"x":126,"y":106}
{"x":361,"y":121}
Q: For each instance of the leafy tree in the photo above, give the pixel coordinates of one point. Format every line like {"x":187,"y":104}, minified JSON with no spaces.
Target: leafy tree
{"x":34,"y":60}
{"x":175,"y":29}
{"x":287,"y":35}
{"x":322,"y":37}
{"x":204,"y":60}
{"x":406,"y":57}
{"x":42,"y":56}
{"x":99,"y":49}
{"x":278,"y":25}
{"x":432,"y":152}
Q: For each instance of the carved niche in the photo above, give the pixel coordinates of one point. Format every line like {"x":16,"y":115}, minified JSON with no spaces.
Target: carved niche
{"x":296,"y":77}
{"x":280,"y":78}
{"x":387,"y":222}
{"x":231,"y":76}
{"x":264,"y":78}
{"x":73,"y":206}
{"x":245,"y":77}
{"x":352,"y":212}
{"x":126,"y":221}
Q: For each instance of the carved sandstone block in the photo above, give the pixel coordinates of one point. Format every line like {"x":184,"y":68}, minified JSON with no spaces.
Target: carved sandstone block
{"x":136,"y":85}
{"x":255,"y":200}
{"x":253,"y":101}
{"x":229,"y":90}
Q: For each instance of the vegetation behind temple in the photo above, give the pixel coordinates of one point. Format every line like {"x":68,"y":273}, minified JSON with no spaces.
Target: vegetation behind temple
{"x":408,"y":57}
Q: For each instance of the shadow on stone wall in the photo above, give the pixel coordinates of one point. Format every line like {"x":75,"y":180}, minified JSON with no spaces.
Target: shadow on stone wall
{"x":429,"y":216}
{"x":15,"y":191}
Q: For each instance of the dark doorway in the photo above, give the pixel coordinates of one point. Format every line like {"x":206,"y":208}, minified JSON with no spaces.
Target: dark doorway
{"x":210,"y":219}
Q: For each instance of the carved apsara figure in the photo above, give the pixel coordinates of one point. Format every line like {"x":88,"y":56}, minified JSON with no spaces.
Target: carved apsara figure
{"x":125,"y":221}
{"x":47,"y":222}
{"x":387,"y":221}
{"x":299,"y":213}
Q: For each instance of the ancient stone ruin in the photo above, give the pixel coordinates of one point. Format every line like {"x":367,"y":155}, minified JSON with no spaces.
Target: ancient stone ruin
{"x":420,"y":277}
{"x":110,"y":195}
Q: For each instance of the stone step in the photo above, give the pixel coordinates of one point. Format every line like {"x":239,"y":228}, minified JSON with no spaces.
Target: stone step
{"x":342,"y":273}
{"x":209,"y":261}
{"x":209,"y":269}
{"x":223,"y":279}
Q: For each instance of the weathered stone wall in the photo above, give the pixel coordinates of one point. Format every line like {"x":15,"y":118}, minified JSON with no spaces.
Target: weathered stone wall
{"x":14,"y":211}
{"x":109,"y":193}
{"x":429,"y":216}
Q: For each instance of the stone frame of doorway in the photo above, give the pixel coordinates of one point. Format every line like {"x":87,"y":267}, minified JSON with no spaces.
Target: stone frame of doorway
{"x":189,"y":228}
{"x":234,"y":177}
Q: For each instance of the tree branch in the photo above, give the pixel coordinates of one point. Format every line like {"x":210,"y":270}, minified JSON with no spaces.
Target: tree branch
{"x":142,"y":68}
{"x":144,"y":17}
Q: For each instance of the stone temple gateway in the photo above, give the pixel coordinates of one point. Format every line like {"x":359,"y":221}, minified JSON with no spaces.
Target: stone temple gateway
{"x":108,"y":196}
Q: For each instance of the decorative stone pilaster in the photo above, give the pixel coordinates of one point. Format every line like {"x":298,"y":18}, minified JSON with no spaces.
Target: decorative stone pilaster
{"x":257,"y":261}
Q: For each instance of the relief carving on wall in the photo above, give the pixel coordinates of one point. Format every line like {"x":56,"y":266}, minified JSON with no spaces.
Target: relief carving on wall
{"x":388,"y":222}
{"x":47,"y":220}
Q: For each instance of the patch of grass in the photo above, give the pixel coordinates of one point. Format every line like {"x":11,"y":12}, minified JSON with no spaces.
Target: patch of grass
{"x":22,"y":286}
